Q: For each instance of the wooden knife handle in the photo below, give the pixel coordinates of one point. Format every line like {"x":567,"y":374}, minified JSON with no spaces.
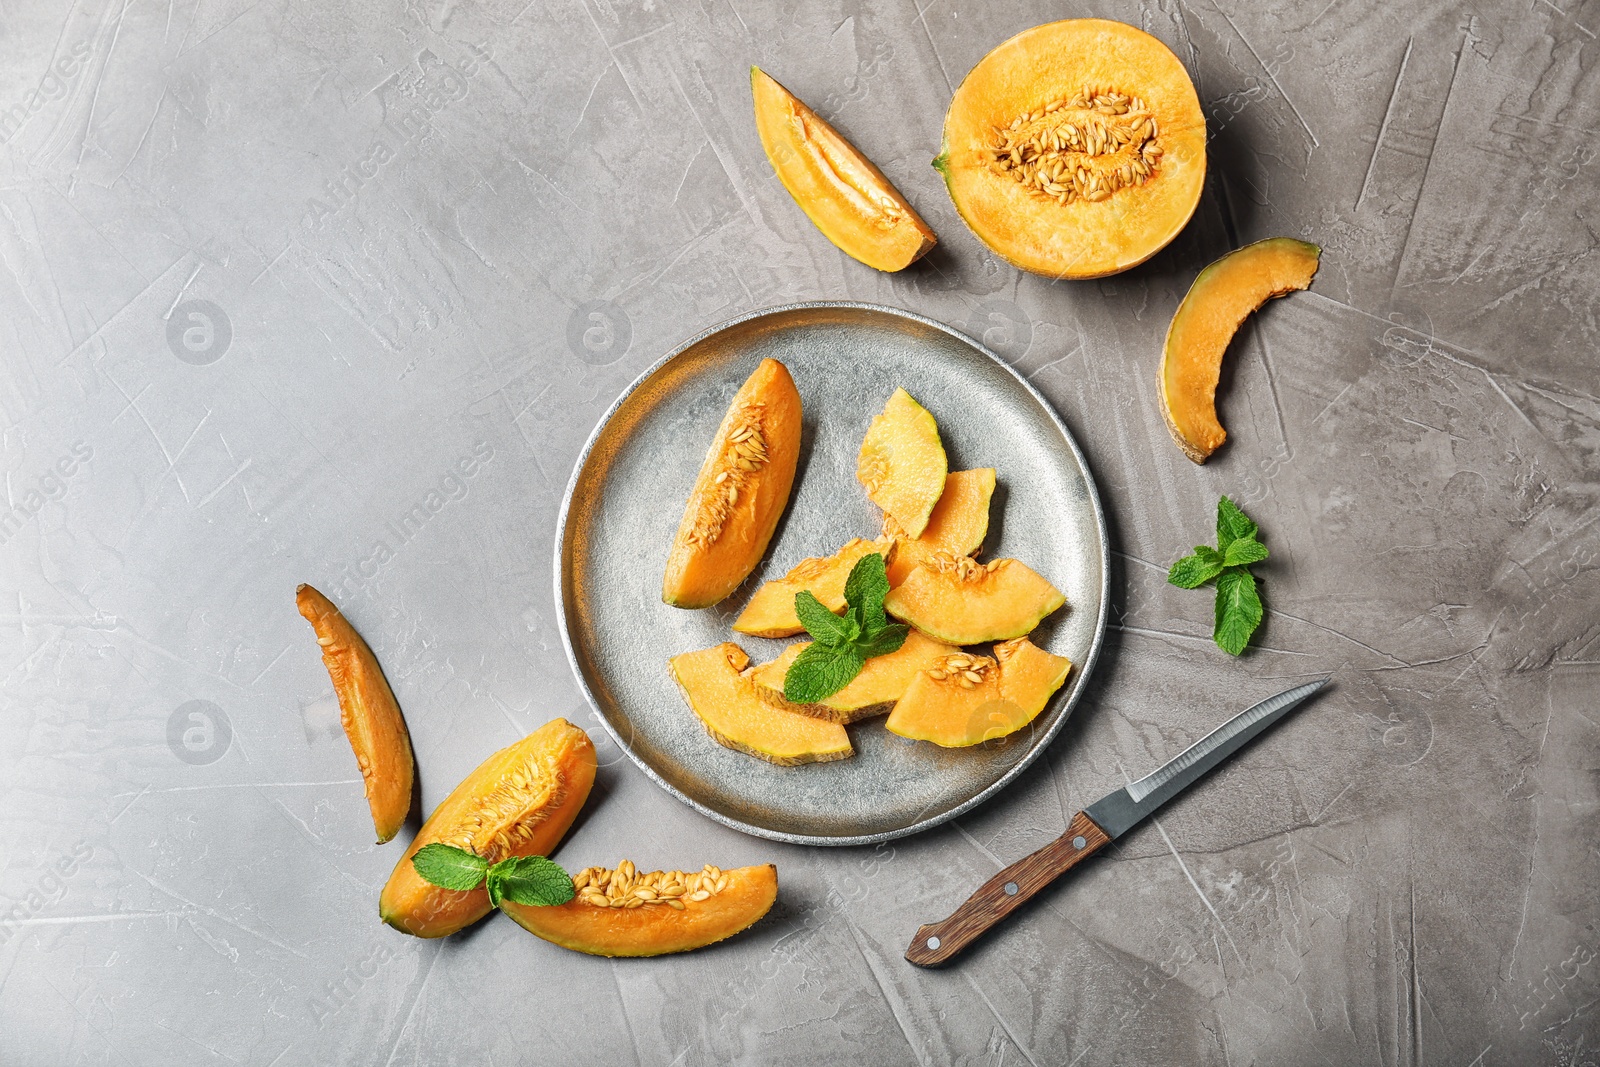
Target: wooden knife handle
{"x":939,"y":942}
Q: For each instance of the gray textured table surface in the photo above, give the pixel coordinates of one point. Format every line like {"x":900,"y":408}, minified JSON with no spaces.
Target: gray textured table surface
{"x":268,"y":271}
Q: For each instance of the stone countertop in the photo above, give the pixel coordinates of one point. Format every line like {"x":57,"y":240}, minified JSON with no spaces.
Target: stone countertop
{"x":269,"y":272}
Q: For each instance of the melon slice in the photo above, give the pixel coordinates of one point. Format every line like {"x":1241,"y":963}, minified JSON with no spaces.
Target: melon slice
{"x":965,"y":699}
{"x":902,"y":463}
{"x":740,"y":493}
{"x":368,"y":710}
{"x":882,"y":680}
{"x":735,"y":715}
{"x":848,"y":198}
{"x":1219,"y":301}
{"x":957,"y":525}
{"x":660,"y":912}
{"x":770,"y":612}
{"x":960,"y":601}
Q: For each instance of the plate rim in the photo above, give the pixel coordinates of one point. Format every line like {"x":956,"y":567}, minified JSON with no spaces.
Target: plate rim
{"x":993,"y":788}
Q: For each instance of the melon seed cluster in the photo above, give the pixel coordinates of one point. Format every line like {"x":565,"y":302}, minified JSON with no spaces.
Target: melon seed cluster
{"x":1084,"y":148}
{"x":961,"y":669}
{"x":624,"y":887}
{"x":746,"y":452}
{"x":964,"y":567}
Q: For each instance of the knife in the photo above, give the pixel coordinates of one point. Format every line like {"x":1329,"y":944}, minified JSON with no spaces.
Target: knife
{"x":1095,"y":827}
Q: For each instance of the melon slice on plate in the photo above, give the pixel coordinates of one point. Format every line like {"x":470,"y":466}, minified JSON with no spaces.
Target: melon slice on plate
{"x":882,"y":681}
{"x":736,"y":716}
{"x":960,"y":601}
{"x":965,"y":699}
{"x":902,"y":463}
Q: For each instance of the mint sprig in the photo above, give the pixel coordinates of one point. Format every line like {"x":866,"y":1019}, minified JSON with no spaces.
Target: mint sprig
{"x":531,"y":880}
{"x":841,"y":645}
{"x":1238,"y":607}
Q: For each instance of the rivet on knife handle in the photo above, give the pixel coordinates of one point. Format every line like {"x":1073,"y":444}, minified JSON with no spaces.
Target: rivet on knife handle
{"x":938,"y":942}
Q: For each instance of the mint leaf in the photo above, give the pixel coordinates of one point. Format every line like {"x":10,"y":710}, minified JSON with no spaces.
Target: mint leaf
{"x":449,"y":867}
{"x":1244,"y":551}
{"x":841,"y":647}
{"x":823,"y":625}
{"x":819,"y":672}
{"x":865,"y":589}
{"x":1191,"y":572}
{"x":1232,"y":524}
{"x":1238,"y":609}
{"x":886,"y":639}
{"x":529,"y":880}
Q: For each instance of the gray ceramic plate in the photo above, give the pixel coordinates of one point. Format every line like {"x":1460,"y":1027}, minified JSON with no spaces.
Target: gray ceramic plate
{"x":627,"y":494}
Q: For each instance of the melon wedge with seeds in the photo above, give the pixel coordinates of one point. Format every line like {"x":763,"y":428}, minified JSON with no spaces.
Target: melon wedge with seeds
{"x":519,"y":802}
{"x":740,"y":493}
{"x":725,"y":699}
{"x":1221,"y":298}
{"x":669,"y":915}
{"x":958,"y":523}
{"x":965,"y":699}
{"x":882,"y":681}
{"x":770,"y":612}
{"x":902,"y":463}
{"x":960,"y":601}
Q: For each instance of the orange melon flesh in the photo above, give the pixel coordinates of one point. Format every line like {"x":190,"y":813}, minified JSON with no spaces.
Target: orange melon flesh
{"x":653,"y":928}
{"x":848,"y":198}
{"x":1218,"y":302}
{"x":957,"y":524}
{"x":1016,"y":685}
{"x":737,"y":717}
{"x":740,"y":494}
{"x":519,"y":802}
{"x":1111,"y":205}
{"x":368,"y":710}
{"x":770,"y":612}
{"x":902,"y":463}
{"x":960,"y":601}
{"x":882,"y":681}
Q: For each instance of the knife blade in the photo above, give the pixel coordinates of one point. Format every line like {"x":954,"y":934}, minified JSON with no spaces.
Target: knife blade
{"x":1095,"y":827}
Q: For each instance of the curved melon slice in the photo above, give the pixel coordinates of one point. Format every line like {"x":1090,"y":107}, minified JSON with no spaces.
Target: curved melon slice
{"x":965,"y":699}
{"x":1219,"y":301}
{"x":960,"y":601}
{"x":519,"y":802}
{"x":902,"y":463}
{"x":848,"y":198}
{"x":741,"y":492}
{"x":368,"y":710}
{"x":1076,"y":149}
{"x":770,"y":612}
{"x":660,"y":912}
{"x":736,"y":716}
{"x":957,"y":524}
{"x":882,"y":681}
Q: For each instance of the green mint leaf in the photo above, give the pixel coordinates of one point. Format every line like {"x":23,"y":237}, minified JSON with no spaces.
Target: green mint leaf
{"x":530,"y":880}
{"x":819,"y":672}
{"x":884,"y":640}
{"x":1245,"y":551}
{"x":449,"y":867}
{"x":1238,"y":609}
{"x":823,"y":625}
{"x":1232,"y":524}
{"x":865,"y":589}
{"x":1191,"y":572}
